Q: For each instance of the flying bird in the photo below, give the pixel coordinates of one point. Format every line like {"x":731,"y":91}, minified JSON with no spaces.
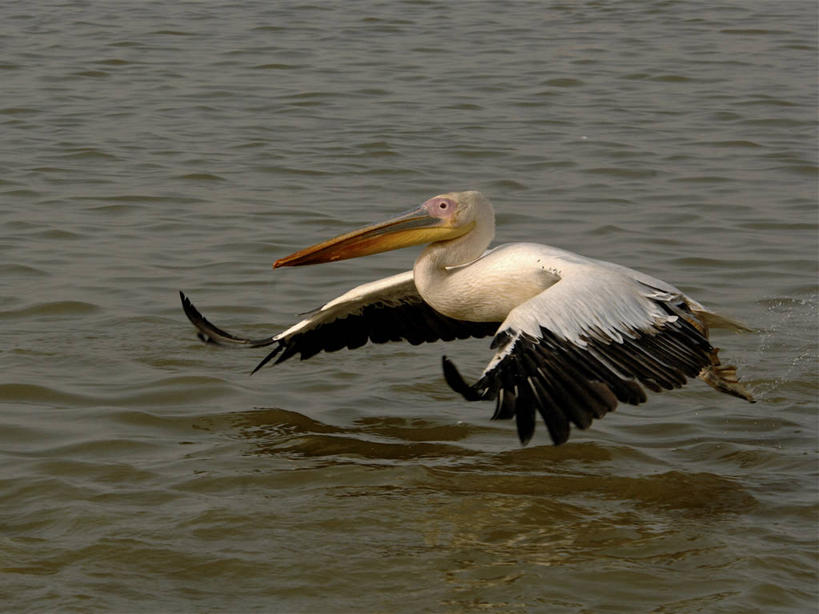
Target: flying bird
{"x":571,"y":335}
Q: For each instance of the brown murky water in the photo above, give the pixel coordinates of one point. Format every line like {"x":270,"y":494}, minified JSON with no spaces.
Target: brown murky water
{"x":154,"y":147}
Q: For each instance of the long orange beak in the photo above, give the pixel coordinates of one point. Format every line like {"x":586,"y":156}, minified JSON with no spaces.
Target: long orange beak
{"x":412,"y":228}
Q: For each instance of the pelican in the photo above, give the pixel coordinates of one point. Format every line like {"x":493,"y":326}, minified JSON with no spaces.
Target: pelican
{"x":571,"y":335}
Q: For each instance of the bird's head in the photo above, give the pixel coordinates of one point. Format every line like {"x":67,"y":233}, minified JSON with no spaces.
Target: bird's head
{"x":459,"y":209}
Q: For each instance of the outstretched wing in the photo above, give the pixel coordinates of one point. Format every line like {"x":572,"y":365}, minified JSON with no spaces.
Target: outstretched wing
{"x":389,"y":309}
{"x":590,"y":340}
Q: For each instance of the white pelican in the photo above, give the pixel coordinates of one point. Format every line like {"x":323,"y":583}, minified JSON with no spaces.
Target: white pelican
{"x":572,"y":336}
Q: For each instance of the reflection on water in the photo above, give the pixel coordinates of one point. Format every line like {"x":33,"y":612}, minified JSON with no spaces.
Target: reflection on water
{"x":500,"y":523}
{"x":588,"y":469}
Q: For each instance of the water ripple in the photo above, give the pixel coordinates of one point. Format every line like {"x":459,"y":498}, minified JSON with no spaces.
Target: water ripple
{"x":148,"y":150}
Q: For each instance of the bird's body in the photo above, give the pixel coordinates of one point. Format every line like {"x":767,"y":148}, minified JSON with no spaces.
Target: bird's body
{"x":572,"y":335}
{"x":488,"y":288}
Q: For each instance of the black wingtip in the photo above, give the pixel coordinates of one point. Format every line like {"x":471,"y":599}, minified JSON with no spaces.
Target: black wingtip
{"x":525,"y":432}
{"x":198,"y":320}
{"x":456,"y":381}
{"x":210,"y":333}
{"x":186,"y":303}
{"x":192,"y":312}
{"x":271,"y":355}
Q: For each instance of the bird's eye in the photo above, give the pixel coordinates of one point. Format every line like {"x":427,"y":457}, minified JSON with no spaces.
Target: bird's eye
{"x":442,"y":205}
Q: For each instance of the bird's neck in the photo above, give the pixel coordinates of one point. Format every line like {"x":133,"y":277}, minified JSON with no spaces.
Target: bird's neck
{"x":438,"y":263}
{"x":455,"y":252}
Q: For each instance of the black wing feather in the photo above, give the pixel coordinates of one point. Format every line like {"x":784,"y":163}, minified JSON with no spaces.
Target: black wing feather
{"x":569,"y":384}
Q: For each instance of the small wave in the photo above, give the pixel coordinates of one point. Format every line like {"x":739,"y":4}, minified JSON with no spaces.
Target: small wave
{"x":671,"y":78}
{"x":174,"y":391}
{"x":172,"y":33}
{"x":625,"y":173}
{"x":114,"y":62}
{"x":21,"y":270}
{"x":739,"y":144}
{"x":347,"y":446}
{"x":19,"y":111}
{"x":691,"y":493}
{"x":277,"y":66}
{"x":34,"y":393}
{"x":54,"y":308}
{"x":200,"y":177}
{"x":59,"y":234}
{"x":507,"y":185}
{"x":88,"y":154}
{"x":171,"y":391}
{"x":564,"y":82}
{"x":98,"y":450}
{"x":93,"y":74}
{"x":276,"y":431}
{"x":750,"y":31}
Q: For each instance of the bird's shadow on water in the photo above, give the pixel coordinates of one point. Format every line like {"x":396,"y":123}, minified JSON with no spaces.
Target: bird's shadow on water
{"x":462,"y":459}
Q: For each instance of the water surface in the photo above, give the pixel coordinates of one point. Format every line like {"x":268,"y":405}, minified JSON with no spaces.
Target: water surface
{"x":157,"y":147}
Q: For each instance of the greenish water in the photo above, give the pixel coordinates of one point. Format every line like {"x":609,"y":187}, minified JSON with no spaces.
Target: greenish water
{"x":157,"y":147}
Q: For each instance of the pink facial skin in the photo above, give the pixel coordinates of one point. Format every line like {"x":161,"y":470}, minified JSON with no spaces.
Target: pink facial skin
{"x":440,"y":207}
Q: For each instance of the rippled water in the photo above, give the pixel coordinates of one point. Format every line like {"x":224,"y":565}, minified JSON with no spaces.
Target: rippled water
{"x":158,"y":146}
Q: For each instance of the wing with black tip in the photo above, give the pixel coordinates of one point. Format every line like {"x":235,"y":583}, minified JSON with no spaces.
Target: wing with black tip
{"x":389,"y":309}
